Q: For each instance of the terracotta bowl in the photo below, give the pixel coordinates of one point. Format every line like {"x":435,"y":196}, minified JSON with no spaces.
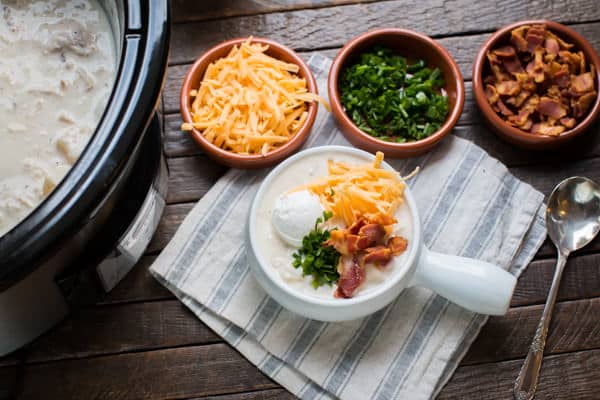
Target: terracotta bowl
{"x":516,"y":135}
{"x":411,"y":45}
{"x":194,"y":77}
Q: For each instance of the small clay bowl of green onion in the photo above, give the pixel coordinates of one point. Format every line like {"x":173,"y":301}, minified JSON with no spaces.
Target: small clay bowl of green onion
{"x":396,"y":91}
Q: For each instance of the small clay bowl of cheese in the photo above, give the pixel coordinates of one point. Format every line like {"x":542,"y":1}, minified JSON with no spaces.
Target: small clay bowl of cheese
{"x":249,"y":102}
{"x":333,"y":234}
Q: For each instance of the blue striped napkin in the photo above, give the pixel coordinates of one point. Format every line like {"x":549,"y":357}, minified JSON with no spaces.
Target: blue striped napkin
{"x":470,"y":205}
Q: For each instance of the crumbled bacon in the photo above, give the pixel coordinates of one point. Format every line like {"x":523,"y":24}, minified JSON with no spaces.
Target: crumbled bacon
{"x":539,"y":83}
{"x":551,"y":108}
{"x":503,"y":109}
{"x":568,"y":122}
{"x":378,"y":255}
{"x":362,"y":244}
{"x":582,"y":104}
{"x":519,"y":99}
{"x":582,"y":84}
{"x":352,"y":274}
{"x":508,"y":88}
{"x":544,"y":128}
{"x":551,"y":46}
{"x":535,"y":37}
{"x":517,"y":37}
{"x":397,"y":244}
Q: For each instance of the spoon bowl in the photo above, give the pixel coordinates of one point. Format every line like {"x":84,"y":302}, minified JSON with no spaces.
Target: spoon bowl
{"x":573,"y":213}
{"x":572,"y":221}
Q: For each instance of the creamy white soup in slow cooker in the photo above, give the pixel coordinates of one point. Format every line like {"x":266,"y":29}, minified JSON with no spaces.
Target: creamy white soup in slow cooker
{"x":57,"y":69}
{"x":278,"y":253}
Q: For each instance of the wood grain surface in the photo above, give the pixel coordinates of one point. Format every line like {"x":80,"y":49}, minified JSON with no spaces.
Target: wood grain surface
{"x":139,"y":342}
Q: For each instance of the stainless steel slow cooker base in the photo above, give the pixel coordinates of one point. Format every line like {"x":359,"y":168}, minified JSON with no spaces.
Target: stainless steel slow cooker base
{"x":39,"y":301}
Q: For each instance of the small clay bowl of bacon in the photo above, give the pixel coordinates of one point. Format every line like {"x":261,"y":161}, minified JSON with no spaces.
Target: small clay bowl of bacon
{"x":536,"y":83}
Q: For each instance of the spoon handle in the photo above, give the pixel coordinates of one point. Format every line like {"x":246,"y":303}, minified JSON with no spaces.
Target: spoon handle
{"x":527,"y":380}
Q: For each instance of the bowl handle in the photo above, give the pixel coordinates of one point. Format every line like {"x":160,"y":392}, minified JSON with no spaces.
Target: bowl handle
{"x":473,"y":284}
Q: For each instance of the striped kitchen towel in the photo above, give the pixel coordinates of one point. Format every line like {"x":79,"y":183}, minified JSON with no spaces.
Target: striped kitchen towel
{"x":470,"y":205}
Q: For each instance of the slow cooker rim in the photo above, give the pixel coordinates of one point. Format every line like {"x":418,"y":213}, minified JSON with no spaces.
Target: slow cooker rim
{"x":26,"y":246}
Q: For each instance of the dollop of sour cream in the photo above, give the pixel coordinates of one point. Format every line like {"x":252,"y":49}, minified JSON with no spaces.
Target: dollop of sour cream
{"x":295,"y":214}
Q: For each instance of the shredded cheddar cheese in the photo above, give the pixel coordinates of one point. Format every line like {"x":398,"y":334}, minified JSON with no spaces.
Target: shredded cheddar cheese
{"x":249,"y":102}
{"x":367,"y":191}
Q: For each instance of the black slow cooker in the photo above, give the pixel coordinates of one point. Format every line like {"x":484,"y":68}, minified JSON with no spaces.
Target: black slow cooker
{"x":98,"y":221}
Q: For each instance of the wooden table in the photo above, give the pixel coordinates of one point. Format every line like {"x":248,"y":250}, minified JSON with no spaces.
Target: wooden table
{"x":140,"y":342}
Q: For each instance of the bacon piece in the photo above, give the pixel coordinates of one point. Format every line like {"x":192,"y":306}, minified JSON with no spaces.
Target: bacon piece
{"x":568,"y":122}
{"x":397,"y":245}
{"x":563,"y":45}
{"x":351,"y":276}
{"x":535,"y":37}
{"x":517,"y":37}
{"x":508,"y":88}
{"x":551,"y":108}
{"x":495,"y":66}
{"x":552,"y":46}
{"x":503,"y":109}
{"x":512,"y":65}
{"x":491,"y":94}
{"x":521,"y":120}
{"x":526,"y":82}
{"x":355,"y":227}
{"x":582,"y":104}
{"x":582,"y":83}
{"x":509,"y":59}
{"x":572,"y":60}
{"x":343,"y":242}
{"x":559,"y":73}
{"x":527,"y":125}
{"x":517,"y":101}
{"x":378,"y":255}
{"x":505,"y":52}
{"x":581,"y":62}
{"x":554,"y":92}
{"x":544,"y":128}
{"x":370,"y":235}
{"x":537,"y":70}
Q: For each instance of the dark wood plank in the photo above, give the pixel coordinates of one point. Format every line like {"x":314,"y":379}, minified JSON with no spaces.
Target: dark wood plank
{"x":279,"y":394}
{"x":332,"y":27}
{"x":165,"y":324}
{"x":544,"y":177}
{"x":162,"y":374}
{"x":142,"y":326}
{"x":574,"y":327}
{"x":170,"y":221}
{"x":565,"y":376}
{"x":178,"y":143}
{"x":581,"y":279}
{"x":119,"y":329}
{"x":548,"y":249}
{"x":186,"y":11}
{"x":8,"y":382}
{"x":138,"y":285}
{"x":191,"y":177}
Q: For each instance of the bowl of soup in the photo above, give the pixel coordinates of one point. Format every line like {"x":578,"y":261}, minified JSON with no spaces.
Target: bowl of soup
{"x":333,"y":234}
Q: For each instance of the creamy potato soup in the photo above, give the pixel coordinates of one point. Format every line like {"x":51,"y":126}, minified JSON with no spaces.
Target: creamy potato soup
{"x":57,"y":68}
{"x":278,"y":253}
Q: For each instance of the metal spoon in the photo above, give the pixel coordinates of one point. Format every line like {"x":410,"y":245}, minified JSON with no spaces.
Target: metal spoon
{"x":572,"y":220}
